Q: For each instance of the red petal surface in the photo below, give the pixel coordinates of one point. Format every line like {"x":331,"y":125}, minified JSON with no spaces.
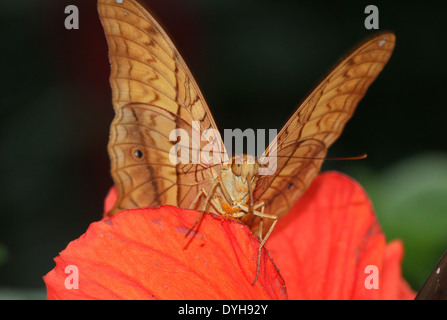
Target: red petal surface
{"x":143,"y":254}
{"x":395,"y":287}
{"x":110,"y":200}
{"x":331,"y":235}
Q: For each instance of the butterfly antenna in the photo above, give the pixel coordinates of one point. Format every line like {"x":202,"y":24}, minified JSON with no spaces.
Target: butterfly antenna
{"x":359,"y":157}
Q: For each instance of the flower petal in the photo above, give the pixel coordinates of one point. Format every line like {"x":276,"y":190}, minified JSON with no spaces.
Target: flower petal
{"x":143,"y":254}
{"x":395,"y":287}
{"x":325,"y":244}
{"x":110,"y":200}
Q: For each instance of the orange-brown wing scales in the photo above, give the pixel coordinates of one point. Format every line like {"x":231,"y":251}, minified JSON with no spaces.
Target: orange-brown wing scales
{"x":316,"y":124}
{"x":145,"y":128}
{"x":153,"y":93}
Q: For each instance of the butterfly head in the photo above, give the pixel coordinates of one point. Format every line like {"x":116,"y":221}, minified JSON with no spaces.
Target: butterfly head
{"x":238,"y":179}
{"x":245,"y":166}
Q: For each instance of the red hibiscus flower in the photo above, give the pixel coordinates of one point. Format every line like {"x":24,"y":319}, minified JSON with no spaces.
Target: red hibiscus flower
{"x":330,"y":246}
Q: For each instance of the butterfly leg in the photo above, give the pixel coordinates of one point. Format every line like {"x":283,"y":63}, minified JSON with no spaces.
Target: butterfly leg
{"x":275,"y":220}
{"x":262,"y":215}
{"x":208,"y":200}
{"x":193,"y":205}
{"x":194,"y":202}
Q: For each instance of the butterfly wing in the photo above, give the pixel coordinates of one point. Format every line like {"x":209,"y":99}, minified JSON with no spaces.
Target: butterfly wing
{"x":153,"y":93}
{"x":435,"y":287}
{"x":315,"y":125}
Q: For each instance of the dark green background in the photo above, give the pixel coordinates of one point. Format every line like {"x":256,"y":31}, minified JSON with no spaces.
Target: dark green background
{"x":255,"y":61}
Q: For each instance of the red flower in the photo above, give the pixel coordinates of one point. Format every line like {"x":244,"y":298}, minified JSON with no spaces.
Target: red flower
{"x":329,"y":246}
{"x":324,"y":245}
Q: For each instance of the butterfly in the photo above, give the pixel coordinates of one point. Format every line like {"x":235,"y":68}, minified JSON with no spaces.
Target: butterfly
{"x":154,"y":94}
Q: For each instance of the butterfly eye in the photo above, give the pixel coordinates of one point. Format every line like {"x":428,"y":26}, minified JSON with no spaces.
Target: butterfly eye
{"x":237,"y":169}
{"x":137,"y":154}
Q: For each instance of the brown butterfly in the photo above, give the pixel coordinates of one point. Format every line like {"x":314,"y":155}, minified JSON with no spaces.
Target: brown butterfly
{"x":154,"y":93}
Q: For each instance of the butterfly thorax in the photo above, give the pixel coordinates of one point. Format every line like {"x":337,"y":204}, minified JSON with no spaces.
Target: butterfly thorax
{"x":238,"y":181}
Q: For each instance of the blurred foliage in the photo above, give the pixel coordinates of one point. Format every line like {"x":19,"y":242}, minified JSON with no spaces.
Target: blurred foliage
{"x":410,"y":201}
{"x":22,"y":294}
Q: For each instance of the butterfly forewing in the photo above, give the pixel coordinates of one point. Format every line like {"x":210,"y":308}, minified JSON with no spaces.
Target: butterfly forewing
{"x":316,"y":124}
{"x":153,"y":93}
